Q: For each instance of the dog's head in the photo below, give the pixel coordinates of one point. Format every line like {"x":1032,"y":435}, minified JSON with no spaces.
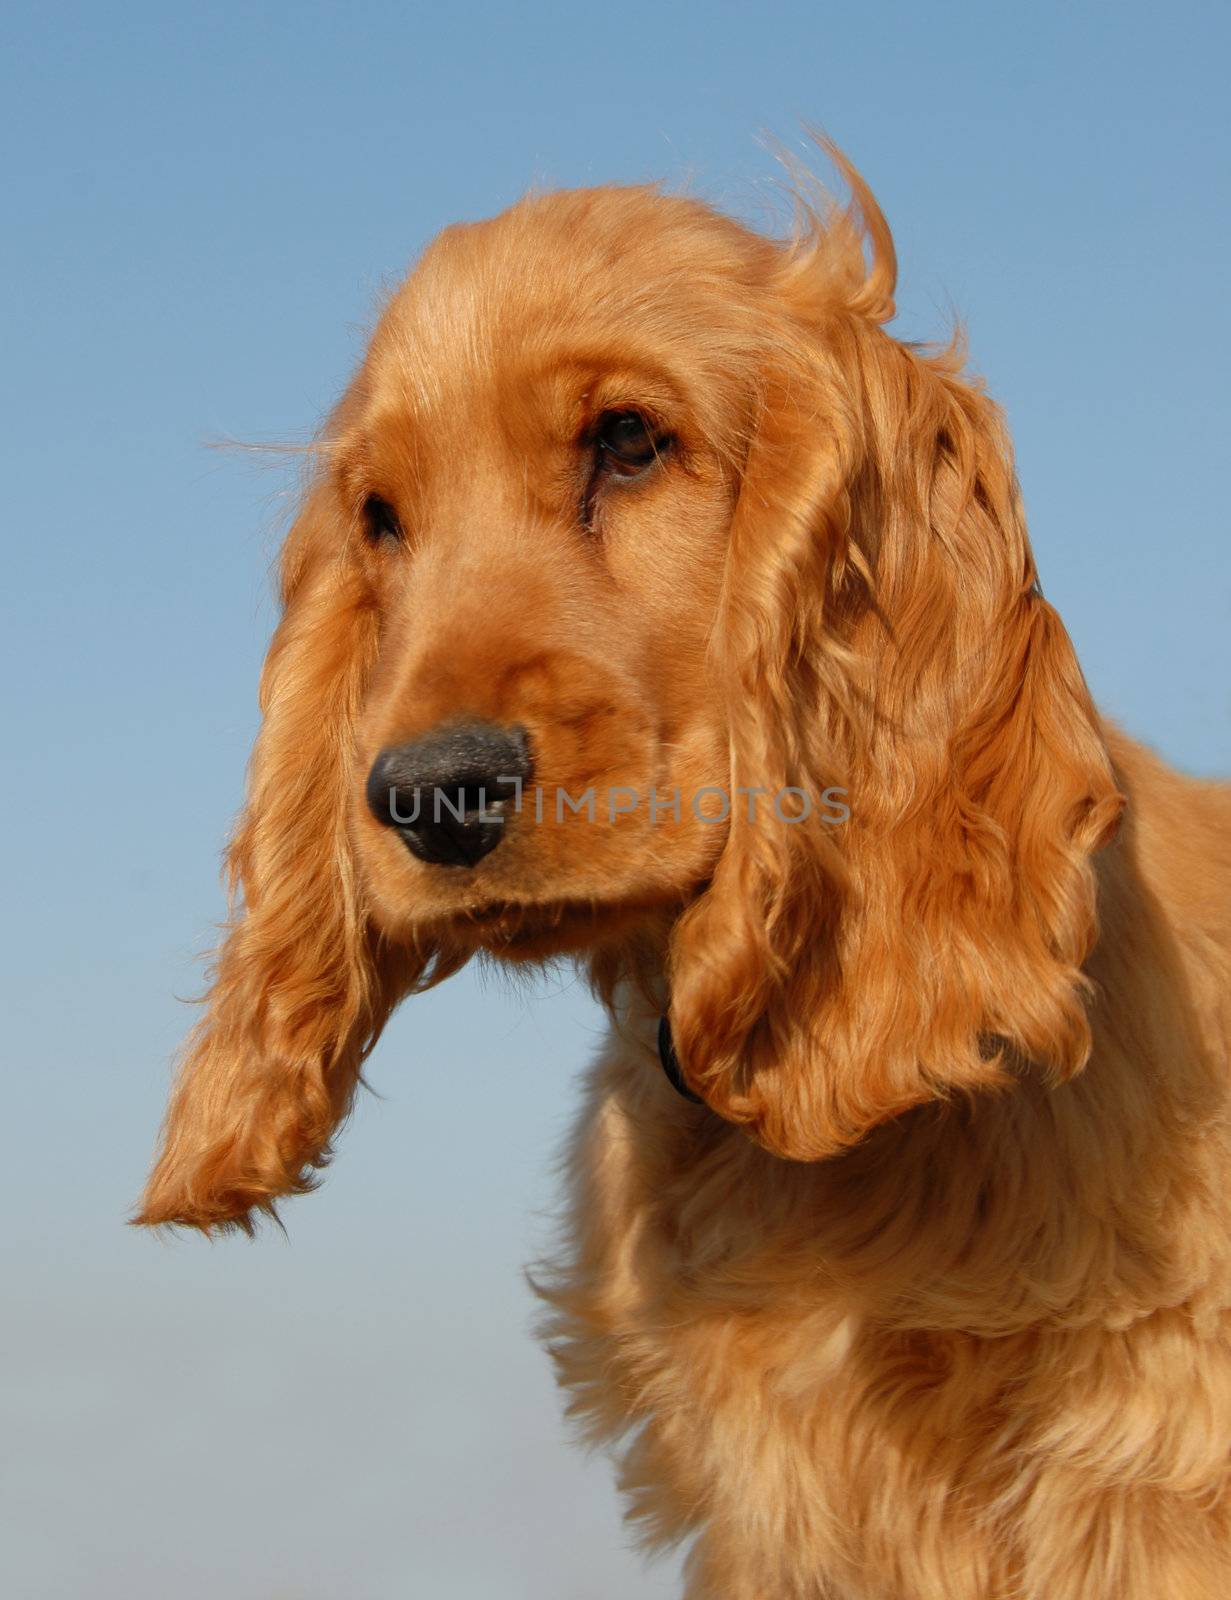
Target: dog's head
{"x":634,"y":538}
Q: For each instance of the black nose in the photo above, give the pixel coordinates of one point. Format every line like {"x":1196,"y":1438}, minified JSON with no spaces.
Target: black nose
{"x":449,"y":793}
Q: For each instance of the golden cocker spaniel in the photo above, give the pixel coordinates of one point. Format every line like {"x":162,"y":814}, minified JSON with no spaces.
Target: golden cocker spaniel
{"x":650,"y":603}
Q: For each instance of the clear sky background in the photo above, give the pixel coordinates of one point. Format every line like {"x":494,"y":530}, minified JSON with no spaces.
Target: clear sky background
{"x":200,"y":206}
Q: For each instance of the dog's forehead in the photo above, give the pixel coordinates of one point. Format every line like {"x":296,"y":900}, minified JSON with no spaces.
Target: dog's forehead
{"x":562,"y":270}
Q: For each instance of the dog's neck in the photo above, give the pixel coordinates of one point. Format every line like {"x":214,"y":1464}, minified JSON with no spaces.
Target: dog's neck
{"x":988,"y":1213}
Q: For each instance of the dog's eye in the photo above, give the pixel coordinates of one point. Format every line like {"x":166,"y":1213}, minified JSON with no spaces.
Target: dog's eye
{"x":380,"y":521}
{"x":627,"y":444}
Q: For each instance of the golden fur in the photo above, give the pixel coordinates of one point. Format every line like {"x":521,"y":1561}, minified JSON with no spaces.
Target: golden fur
{"x":930,"y":1299}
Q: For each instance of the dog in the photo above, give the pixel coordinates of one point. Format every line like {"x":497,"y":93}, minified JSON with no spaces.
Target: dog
{"x":650,"y":605}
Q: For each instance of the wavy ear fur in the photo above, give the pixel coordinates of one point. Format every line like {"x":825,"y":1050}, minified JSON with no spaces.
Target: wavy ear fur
{"x":301,"y":987}
{"x":882,"y":630}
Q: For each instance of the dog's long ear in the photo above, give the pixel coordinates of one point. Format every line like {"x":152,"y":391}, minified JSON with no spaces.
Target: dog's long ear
{"x":882,"y":631}
{"x":301,"y":988}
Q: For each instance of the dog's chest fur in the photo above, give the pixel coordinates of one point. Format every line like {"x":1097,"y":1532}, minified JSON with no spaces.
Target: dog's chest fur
{"x":951,"y":1330}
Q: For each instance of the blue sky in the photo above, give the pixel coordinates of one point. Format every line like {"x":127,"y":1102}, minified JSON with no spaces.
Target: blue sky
{"x":201,"y":206}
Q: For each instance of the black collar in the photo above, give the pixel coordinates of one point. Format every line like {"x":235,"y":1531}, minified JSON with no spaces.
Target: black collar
{"x":671,"y":1064}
